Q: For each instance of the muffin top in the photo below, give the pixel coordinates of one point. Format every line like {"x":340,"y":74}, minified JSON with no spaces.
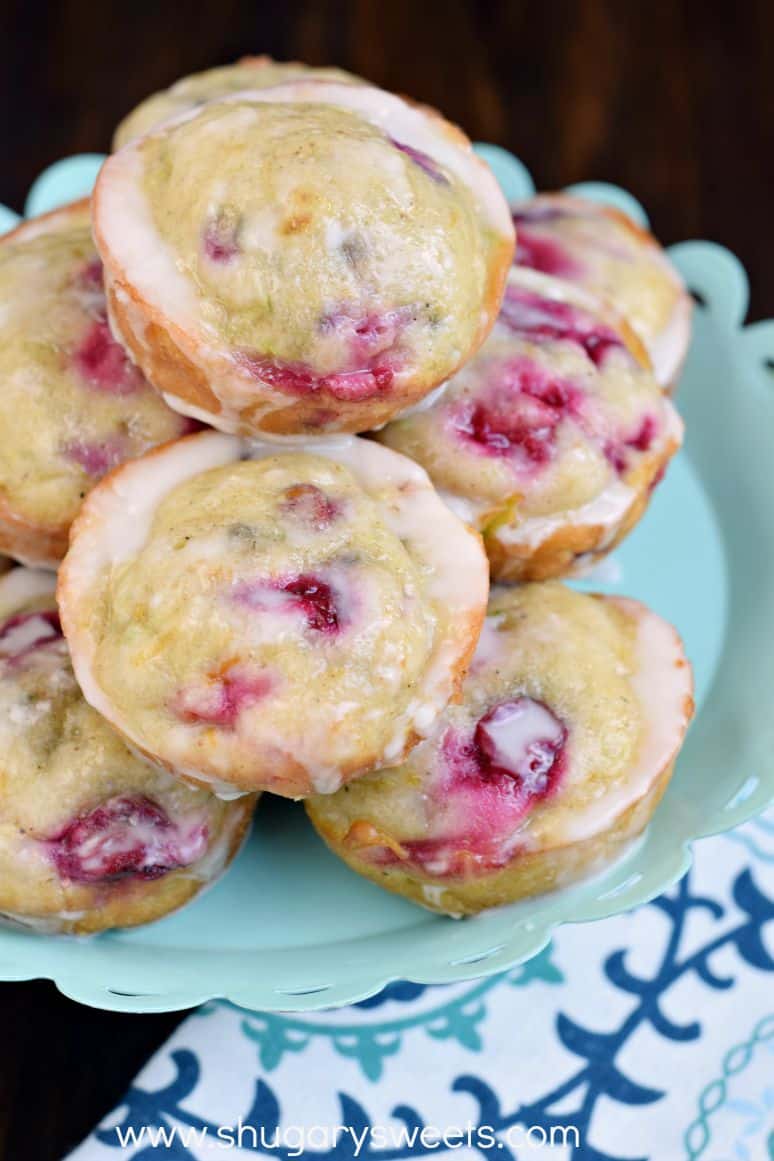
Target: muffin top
{"x":257,"y":72}
{"x":602,"y":250}
{"x":72,"y":404}
{"x":320,"y":239}
{"x":552,"y":740}
{"x":71,"y":792}
{"x":280,"y":619}
{"x":558,"y":408}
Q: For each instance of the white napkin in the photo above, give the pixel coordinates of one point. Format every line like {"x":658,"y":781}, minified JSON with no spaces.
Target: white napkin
{"x":648,"y":1035}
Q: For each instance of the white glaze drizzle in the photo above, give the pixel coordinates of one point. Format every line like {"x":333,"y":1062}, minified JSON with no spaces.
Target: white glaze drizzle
{"x":123,"y":202}
{"x":24,"y":584}
{"x":606,"y":510}
{"x":18,"y":587}
{"x":512,"y":735}
{"x":411,"y":125}
{"x":663,"y":685}
{"x":41,"y":924}
{"x":117,"y":517}
{"x":669,"y":347}
{"x":50,"y":223}
{"x":138,"y":255}
{"x":146,"y":260}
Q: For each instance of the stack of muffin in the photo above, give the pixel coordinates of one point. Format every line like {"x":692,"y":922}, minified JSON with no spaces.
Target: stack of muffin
{"x":278,"y":402}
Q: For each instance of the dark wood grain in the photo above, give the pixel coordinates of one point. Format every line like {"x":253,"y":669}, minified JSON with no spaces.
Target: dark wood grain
{"x":674,"y":101}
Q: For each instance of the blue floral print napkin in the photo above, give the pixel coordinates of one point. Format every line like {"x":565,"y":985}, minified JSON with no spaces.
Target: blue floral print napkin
{"x":647,"y":1035}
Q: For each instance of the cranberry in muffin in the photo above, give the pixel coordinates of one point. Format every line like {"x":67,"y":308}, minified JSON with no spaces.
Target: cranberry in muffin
{"x":260,"y":618}
{"x":311,"y":257}
{"x":571,"y":717}
{"x":551,"y":440}
{"x":73,"y":405}
{"x":603,"y":251}
{"x":91,"y":836}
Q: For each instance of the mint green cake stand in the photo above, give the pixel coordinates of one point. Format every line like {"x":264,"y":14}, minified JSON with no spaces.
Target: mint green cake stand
{"x":290,"y":928}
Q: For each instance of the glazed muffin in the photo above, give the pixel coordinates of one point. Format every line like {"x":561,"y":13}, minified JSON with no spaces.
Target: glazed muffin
{"x":310,"y":258}
{"x":72,"y":405}
{"x":91,"y":836}
{"x":551,"y":440}
{"x":254,"y":618}
{"x":251,"y":72}
{"x":604,"y":251}
{"x":572,"y":715}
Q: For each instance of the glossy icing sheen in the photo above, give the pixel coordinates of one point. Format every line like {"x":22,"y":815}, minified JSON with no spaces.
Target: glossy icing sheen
{"x":72,"y":405}
{"x":324,"y":239}
{"x":77,"y":809}
{"x":276,"y":618}
{"x":602,"y":251}
{"x":548,"y":424}
{"x":572,"y":708}
{"x":190,"y":92}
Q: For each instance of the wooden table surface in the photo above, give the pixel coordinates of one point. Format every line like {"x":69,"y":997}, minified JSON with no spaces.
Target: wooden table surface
{"x":673,"y":101}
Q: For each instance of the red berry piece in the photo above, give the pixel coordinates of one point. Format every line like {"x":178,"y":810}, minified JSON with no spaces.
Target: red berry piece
{"x":423,"y":160}
{"x":371,"y":357}
{"x":618,"y":452}
{"x":102,"y":362}
{"x":642,"y":439}
{"x":540,"y":214}
{"x":90,"y":278}
{"x":219,"y":239}
{"x":310,"y":505}
{"x":486,"y":783}
{"x":221,"y":699}
{"x":124,"y":836}
{"x":299,"y":379}
{"x":368,"y":336}
{"x":316,"y":600}
{"x":523,"y":740}
{"x":306,"y":595}
{"x":544,"y":320}
{"x":96,"y":458}
{"x":517,"y":414}
{"x":545,"y":255}
{"x":24,"y":633}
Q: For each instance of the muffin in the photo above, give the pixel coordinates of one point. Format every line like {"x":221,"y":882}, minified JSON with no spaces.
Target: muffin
{"x":72,"y":405}
{"x":310,"y":258}
{"x":259,"y":618}
{"x":91,"y":836}
{"x":602,"y":250}
{"x":551,"y":440}
{"x":251,"y":72}
{"x":571,"y":718}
